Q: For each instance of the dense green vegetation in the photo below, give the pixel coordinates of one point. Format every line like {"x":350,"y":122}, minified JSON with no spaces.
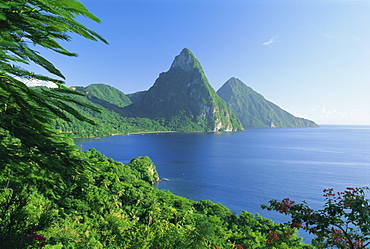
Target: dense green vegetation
{"x":26,"y":113}
{"x":108,"y":120}
{"x":254,"y":110}
{"x":106,"y":96}
{"x":105,"y":204}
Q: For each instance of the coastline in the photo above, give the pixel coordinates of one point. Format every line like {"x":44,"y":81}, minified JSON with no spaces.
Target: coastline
{"x":138,"y":133}
{"x":248,"y":128}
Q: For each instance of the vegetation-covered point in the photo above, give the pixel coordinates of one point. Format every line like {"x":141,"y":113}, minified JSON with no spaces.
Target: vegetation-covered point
{"x":184,"y":99}
{"x":145,"y":169}
{"x":254,"y":111}
{"x":106,"y":204}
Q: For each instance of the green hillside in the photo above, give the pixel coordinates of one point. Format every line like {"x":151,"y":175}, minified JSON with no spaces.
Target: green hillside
{"x":104,"y":94}
{"x":254,"y":110}
{"x":109,"y":120}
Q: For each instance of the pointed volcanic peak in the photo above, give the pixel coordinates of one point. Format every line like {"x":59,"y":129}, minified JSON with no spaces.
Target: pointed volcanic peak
{"x":186,"y":61}
{"x":254,"y":111}
{"x":184,"y":100}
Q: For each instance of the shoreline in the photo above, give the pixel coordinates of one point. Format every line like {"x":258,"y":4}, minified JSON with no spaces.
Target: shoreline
{"x":140,"y":132}
{"x":249,"y":128}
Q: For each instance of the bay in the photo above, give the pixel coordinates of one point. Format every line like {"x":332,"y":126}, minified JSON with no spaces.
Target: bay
{"x":242,"y":170}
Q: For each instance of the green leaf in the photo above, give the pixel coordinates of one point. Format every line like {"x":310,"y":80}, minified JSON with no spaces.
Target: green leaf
{"x":4,"y":6}
{"x":2,"y":15}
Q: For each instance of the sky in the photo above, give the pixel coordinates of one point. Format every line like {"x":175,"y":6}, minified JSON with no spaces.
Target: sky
{"x":310,"y":57}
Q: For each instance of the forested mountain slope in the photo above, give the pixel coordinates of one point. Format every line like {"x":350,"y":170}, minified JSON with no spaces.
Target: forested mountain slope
{"x":254,"y":110}
{"x":104,"y":94}
{"x":184,"y":100}
{"x":110,"y":119}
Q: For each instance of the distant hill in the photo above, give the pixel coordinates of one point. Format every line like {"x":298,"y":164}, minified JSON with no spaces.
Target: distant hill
{"x":184,"y":100}
{"x":254,"y":110}
{"x":110,"y":119}
{"x":101,"y":93}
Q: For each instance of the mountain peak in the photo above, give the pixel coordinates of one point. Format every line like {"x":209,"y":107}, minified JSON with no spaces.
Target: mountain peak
{"x":184,"y":100}
{"x":185,"y":60}
{"x":254,"y":110}
{"x":234,"y":80}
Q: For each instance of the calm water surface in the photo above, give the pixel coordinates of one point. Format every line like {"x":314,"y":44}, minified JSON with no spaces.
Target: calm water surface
{"x":243,"y":170}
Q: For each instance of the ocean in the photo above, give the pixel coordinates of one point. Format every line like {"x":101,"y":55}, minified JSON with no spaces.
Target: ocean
{"x":242,"y":170}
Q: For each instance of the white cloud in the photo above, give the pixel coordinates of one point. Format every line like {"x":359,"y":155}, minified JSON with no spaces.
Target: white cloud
{"x":35,"y":82}
{"x":269,"y":42}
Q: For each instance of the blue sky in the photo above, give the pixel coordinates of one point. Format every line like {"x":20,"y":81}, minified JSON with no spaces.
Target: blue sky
{"x":312,"y":58}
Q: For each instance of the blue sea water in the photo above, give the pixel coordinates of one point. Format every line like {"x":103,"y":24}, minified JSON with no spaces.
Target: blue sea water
{"x":243,"y":170}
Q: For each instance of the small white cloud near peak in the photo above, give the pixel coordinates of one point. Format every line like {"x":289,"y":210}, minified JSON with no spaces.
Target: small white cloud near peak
{"x":36,"y":82}
{"x":272,"y":40}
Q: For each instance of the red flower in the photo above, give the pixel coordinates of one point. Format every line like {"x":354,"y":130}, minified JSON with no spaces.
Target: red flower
{"x":39,"y":237}
{"x":296,"y":224}
{"x":36,"y":237}
{"x":272,"y":236}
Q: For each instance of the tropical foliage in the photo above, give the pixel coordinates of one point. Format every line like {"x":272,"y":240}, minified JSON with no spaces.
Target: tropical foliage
{"x":106,"y":205}
{"x":25,"y":113}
